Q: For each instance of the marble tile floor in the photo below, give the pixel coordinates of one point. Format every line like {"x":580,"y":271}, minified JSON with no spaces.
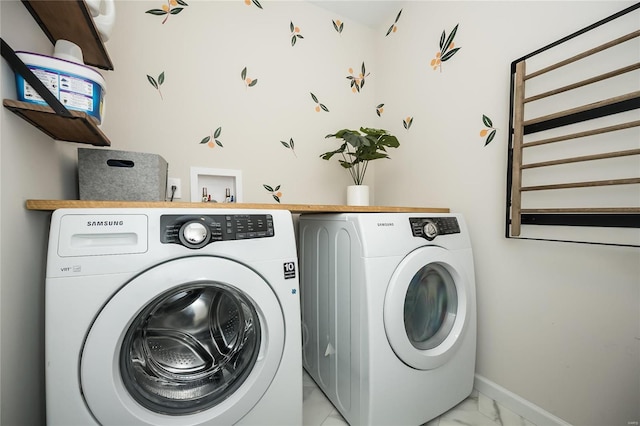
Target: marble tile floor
{"x":477,"y":410}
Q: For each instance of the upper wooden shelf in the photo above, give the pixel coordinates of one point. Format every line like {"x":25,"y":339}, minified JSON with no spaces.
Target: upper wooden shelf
{"x":80,"y":127}
{"x":50,"y":205}
{"x":71,"y":20}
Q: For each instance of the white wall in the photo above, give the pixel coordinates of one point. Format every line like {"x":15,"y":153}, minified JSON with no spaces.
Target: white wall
{"x":543,"y":329}
{"x":202,"y":51}
{"x":32,"y":166}
{"x":558,"y":323}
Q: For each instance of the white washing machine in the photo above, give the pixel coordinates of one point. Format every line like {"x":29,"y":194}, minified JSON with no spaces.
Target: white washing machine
{"x":172,"y":317}
{"x":389,"y":313}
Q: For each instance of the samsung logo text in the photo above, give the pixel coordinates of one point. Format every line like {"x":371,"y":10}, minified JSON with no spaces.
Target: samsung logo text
{"x":104,"y":223}
{"x":386,"y":224}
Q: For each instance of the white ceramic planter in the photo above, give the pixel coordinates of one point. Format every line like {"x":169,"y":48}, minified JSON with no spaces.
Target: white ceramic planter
{"x":357,"y":195}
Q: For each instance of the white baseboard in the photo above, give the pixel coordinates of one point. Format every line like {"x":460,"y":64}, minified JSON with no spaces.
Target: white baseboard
{"x":516,"y":403}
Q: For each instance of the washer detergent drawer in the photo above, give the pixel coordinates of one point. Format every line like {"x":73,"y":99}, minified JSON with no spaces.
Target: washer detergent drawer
{"x":100,"y":234}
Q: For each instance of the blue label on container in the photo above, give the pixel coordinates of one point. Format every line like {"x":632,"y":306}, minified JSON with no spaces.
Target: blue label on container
{"x":74,"y":92}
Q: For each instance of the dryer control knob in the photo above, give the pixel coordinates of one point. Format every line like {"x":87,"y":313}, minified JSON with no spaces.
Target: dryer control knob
{"x":194,"y":234}
{"x":430,"y":230}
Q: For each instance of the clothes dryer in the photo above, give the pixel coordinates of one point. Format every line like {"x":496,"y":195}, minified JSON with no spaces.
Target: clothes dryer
{"x":172,"y":317}
{"x":389,"y":313}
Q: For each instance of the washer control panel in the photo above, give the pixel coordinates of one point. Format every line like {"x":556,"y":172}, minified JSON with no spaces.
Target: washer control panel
{"x":431,"y":227}
{"x":196,"y":231}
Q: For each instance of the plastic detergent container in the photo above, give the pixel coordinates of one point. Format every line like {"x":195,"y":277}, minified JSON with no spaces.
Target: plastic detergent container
{"x":76,"y":86}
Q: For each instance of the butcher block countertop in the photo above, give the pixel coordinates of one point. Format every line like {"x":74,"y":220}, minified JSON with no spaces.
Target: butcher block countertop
{"x":50,"y":205}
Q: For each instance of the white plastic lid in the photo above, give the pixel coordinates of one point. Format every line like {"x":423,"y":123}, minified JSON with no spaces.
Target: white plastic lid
{"x":69,"y":51}
{"x":61,"y":65}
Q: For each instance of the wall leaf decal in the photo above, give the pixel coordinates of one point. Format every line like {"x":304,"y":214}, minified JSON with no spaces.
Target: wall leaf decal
{"x":254,"y":2}
{"x":295,"y":34}
{"x":338,"y":25}
{"x":447,"y":49}
{"x":407,"y":122}
{"x":380,"y":109}
{"x":393,"y":28}
{"x":490,"y":130}
{"x":275,"y":192}
{"x":248,"y":82}
{"x":289,"y":145}
{"x":212,"y":140}
{"x":173,"y":7}
{"x":319,"y":106}
{"x":357,"y":82}
{"x":157,"y":83}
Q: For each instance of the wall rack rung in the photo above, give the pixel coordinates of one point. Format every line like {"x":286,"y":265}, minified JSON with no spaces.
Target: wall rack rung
{"x":617,"y":220}
{"x":592,"y":111}
{"x":578,"y":135}
{"x":593,"y":157}
{"x":589,"y":184}
{"x":584,"y":210}
{"x":585,"y":54}
{"x":585,"y":82}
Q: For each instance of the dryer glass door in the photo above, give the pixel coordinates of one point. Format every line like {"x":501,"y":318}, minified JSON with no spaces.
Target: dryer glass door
{"x":430,"y":306}
{"x":196,"y":340}
{"x":427,"y":305}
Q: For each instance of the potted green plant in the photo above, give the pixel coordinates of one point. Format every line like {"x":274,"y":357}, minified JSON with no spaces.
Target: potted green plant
{"x":357,"y":149}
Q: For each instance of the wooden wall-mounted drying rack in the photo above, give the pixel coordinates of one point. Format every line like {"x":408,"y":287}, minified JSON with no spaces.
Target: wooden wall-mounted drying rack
{"x":612,"y":114}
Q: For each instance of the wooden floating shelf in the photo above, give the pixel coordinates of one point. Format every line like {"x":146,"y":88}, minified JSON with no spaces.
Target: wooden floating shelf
{"x":71,"y":20}
{"x":50,"y":205}
{"x":80,"y":127}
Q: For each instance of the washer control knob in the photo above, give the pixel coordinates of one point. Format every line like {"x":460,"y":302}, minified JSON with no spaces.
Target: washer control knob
{"x":194,"y":234}
{"x":430,"y":230}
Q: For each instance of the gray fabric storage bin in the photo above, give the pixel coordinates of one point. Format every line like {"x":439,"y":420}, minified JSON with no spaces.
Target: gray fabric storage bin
{"x":105,"y":174}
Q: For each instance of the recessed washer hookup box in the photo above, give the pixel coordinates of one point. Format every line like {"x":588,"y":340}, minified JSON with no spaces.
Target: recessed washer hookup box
{"x":105,"y":174}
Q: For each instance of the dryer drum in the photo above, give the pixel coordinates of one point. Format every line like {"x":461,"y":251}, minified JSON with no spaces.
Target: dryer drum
{"x":190,"y":348}
{"x":430,"y":307}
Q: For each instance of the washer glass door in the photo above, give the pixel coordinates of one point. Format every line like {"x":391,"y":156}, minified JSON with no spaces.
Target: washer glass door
{"x":190,"y":348}
{"x":190,"y":341}
{"x":427,"y":307}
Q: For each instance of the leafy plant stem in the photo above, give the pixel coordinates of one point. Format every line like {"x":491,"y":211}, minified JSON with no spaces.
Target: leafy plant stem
{"x":358,"y":170}
{"x":362,"y":170}
{"x":352,"y":170}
